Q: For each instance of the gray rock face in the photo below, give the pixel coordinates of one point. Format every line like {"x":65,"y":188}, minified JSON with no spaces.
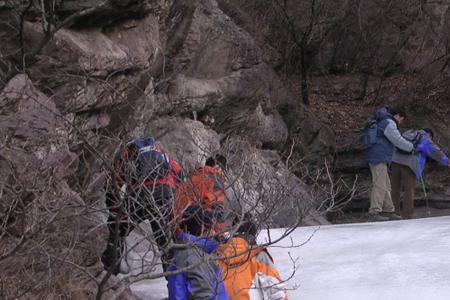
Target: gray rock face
{"x":186,"y":74}
{"x":29,"y":118}
{"x":57,"y":227}
{"x":95,"y":51}
{"x":127,"y":45}
{"x":190,"y":142}
{"x":274,"y":131}
{"x":237,"y":80}
{"x":262,"y":184}
{"x":89,"y":64}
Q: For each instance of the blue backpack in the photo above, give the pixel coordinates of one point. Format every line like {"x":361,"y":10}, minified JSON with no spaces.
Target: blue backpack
{"x":150,"y":160}
{"x":368,"y":135}
{"x":413,"y":136}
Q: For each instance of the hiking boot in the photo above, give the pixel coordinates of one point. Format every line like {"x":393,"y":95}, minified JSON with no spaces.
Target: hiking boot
{"x":391,"y":215}
{"x":107,"y":260}
{"x":376,"y":217}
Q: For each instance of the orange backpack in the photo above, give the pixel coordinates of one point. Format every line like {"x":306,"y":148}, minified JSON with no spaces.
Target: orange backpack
{"x":205,"y":188}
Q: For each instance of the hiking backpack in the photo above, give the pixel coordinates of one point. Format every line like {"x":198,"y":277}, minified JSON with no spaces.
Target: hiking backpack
{"x":205,"y":188}
{"x":413,"y":136}
{"x":149,"y":159}
{"x":368,"y":135}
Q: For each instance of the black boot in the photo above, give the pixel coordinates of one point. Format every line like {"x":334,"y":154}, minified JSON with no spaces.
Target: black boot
{"x":109,"y":259}
{"x":376,"y":217}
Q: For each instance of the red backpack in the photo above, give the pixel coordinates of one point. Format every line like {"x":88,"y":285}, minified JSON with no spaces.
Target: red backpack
{"x":144,"y":162}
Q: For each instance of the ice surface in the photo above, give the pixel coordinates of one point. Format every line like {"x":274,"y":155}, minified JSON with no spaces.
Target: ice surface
{"x":401,"y":260}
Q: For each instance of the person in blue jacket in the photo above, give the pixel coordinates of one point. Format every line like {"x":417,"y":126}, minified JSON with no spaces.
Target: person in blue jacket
{"x":199,"y":277}
{"x":408,"y":168}
{"x":379,"y":158}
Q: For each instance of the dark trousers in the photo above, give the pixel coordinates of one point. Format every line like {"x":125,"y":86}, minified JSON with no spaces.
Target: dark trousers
{"x":403,"y":178}
{"x":152,"y":203}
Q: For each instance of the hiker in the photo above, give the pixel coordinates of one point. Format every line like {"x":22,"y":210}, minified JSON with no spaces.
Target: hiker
{"x":407,"y":168}
{"x":206,"y":187}
{"x":379,"y":157}
{"x":140,"y":188}
{"x":201,"y":278}
{"x":248,"y":270}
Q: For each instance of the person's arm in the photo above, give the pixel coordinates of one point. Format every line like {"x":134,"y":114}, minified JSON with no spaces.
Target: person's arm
{"x":177,"y":287}
{"x":394,"y":136}
{"x":177,"y":170}
{"x":201,"y":274}
{"x":431,"y":150}
{"x":269,"y":279}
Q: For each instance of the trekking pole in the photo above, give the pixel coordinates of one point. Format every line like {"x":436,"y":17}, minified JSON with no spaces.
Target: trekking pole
{"x":422,"y":181}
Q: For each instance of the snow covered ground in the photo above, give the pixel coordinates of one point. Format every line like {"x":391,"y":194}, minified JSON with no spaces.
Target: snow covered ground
{"x":398,"y":260}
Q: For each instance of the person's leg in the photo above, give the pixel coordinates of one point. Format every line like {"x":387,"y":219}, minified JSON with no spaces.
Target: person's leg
{"x":118,"y":230}
{"x":396,"y":181}
{"x":379,"y":188}
{"x":158,"y":211}
{"x":410,"y":185}
{"x":388,"y":206}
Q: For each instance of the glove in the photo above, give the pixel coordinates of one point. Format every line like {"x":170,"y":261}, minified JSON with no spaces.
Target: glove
{"x":272,"y":288}
{"x":277,"y":295}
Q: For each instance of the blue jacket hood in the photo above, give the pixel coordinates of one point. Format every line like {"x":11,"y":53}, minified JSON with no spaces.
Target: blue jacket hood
{"x":383,"y":114}
{"x":207,"y":245}
{"x":383,"y":149}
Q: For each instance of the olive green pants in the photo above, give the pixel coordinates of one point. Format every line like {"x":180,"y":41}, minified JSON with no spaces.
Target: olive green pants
{"x":402,"y":177}
{"x":380,"y":197}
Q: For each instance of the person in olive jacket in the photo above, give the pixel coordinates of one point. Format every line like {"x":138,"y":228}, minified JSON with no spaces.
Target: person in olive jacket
{"x":407,"y":168}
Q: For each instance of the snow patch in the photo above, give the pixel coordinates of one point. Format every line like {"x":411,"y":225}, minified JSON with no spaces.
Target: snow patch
{"x":398,"y":260}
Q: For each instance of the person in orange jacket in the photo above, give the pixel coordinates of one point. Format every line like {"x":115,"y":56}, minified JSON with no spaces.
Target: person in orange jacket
{"x":248,"y":270}
{"x":206,"y":187}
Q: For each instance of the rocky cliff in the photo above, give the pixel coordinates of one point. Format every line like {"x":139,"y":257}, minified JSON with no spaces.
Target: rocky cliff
{"x":80,"y":78}
{"x":181,"y":71}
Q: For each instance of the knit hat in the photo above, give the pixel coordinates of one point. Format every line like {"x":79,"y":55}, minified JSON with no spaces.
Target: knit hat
{"x":195,"y":218}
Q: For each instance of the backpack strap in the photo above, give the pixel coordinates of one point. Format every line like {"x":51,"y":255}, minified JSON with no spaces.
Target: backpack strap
{"x":417,"y":138}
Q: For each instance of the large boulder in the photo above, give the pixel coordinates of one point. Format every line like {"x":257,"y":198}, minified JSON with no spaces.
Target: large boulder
{"x":96,"y":75}
{"x":85,"y":68}
{"x":237,"y":80}
{"x":261,"y":183}
{"x":50,"y":236}
{"x":189,"y":141}
{"x":93,"y":51}
{"x":274,"y":131}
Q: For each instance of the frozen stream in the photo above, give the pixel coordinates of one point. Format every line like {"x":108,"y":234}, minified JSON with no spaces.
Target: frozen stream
{"x":398,"y":260}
